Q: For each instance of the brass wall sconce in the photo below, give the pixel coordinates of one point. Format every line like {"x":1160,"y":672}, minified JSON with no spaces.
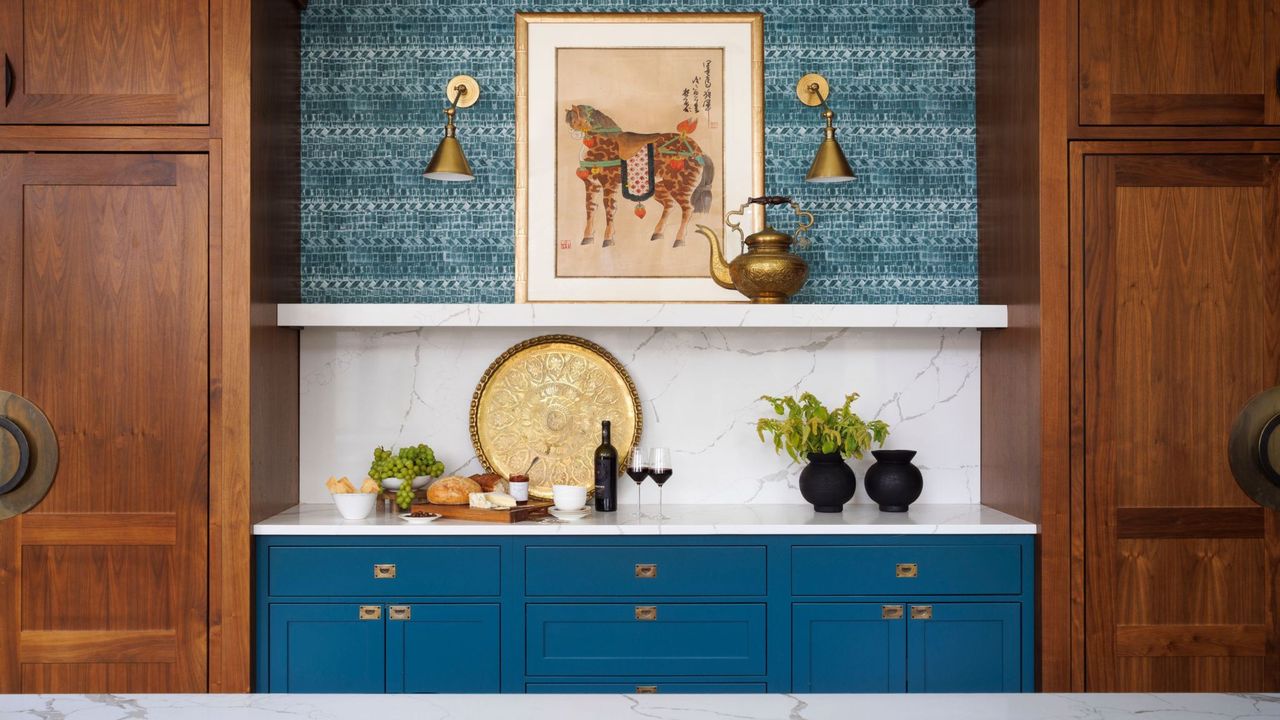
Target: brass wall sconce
{"x":829,"y":164}
{"x":449,"y":163}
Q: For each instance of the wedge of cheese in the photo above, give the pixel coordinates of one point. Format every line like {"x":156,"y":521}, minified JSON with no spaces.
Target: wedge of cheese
{"x":491,"y":501}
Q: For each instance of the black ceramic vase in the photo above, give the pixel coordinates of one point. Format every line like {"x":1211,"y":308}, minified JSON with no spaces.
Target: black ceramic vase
{"x":827,"y":482}
{"x":893,"y":482}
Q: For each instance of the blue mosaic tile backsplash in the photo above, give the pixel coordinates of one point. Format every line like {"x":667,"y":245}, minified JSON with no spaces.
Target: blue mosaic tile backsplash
{"x":902,"y":76}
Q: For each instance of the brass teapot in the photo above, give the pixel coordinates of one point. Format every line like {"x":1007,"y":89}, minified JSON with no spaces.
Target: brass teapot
{"x":767,"y":271}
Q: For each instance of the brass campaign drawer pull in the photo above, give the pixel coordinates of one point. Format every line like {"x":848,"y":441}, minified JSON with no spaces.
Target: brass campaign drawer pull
{"x":891,"y":612}
{"x":906,"y":570}
{"x":646,"y":570}
{"x":370,"y":612}
{"x":646,"y":689}
{"x":646,"y":612}
{"x":921,"y":612}
{"x":399,"y":612}
{"x":384,"y":571}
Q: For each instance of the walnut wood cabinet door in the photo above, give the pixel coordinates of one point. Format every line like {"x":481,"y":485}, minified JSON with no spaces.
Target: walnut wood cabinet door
{"x":1181,"y":326}
{"x":1179,"y":62}
{"x":105,"y":61}
{"x":104,"y":270}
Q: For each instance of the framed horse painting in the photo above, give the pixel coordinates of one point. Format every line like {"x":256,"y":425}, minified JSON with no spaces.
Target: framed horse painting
{"x":631,"y":131}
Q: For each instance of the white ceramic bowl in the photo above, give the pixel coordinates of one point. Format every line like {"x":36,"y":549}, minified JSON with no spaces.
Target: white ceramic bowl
{"x":355,"y":506}
{"x":569,"y":497}
{"x":394,"y":483}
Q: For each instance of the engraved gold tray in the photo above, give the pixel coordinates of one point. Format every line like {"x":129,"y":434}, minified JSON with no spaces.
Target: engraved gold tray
{"x":545,"y":398}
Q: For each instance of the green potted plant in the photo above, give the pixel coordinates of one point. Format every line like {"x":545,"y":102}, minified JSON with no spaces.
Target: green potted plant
{"x":807,"y":429}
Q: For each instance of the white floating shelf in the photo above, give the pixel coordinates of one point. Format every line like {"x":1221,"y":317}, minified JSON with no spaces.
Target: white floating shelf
{"x":700,"y":315}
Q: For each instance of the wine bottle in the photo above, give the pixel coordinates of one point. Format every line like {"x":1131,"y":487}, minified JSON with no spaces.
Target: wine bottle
{"x":606,"y":465}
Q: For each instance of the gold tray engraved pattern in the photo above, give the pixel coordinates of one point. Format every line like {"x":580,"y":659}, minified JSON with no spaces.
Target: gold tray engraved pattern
{"x":545,"y":397}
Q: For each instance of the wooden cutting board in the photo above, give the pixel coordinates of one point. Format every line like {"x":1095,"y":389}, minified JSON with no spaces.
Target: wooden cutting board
{"x":532,"y":510}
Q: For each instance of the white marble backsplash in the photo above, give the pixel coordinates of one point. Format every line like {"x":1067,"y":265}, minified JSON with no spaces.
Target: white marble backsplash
{"x":699,"y":389}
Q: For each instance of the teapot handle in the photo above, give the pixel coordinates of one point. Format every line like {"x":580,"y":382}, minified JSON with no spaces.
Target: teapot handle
{"x":804,"y":218}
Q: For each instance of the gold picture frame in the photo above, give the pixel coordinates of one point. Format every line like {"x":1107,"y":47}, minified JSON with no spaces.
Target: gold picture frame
{"x":736,"y":37}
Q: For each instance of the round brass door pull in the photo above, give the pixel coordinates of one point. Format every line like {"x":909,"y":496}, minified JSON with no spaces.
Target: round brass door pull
{"x":28,"y":455}
{"x":1254,"y":448}
{"x":21,"y":448}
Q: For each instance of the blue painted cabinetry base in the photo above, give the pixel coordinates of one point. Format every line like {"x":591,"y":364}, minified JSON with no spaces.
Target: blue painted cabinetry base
{"x":680,"y":614}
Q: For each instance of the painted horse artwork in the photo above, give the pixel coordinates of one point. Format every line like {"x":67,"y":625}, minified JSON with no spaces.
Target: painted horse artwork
{"x":667,"y":167}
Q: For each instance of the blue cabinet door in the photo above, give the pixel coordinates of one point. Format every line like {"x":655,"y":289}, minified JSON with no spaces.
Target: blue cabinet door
{"x":964,"y":647}
{"x":848,"y":648}
{"x":443,"y":649}
{"x":327,"y":649}
{"x":634,"y":640}
{"x":641,"y":688}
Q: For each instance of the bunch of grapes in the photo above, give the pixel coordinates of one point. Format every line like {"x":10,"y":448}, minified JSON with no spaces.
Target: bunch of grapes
{"x":407,"y":464}
{"x":404,"y":495}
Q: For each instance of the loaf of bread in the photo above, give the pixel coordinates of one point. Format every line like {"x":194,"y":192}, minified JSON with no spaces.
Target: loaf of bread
{"x":452,"y":490}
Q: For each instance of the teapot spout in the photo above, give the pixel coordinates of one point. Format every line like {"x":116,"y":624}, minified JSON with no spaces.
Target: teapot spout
{"x":719,"y":268}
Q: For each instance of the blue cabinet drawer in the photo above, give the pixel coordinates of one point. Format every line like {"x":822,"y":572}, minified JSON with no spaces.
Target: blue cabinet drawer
{"x":641,"y":688}
{"x":644,"y":571}
{"x":906,"y":570}
{"x":384,"y":571}
{"x":627,"y":640}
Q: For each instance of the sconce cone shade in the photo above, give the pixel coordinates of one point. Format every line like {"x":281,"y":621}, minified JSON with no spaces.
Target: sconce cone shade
{"x":830,"y":165}
{"x":449,"y":163}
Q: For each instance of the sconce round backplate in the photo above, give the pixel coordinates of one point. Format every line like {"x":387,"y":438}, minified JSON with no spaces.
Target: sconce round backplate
{"x":804,"y":89}
{"x":468,"y":98}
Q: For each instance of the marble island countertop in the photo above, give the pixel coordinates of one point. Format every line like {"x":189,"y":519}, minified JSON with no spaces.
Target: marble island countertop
{"x":661,"y":707}
{"x":323,"y":519}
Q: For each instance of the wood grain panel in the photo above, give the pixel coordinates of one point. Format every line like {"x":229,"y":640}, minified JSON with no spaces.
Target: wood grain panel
{"x":120,"y":646}
{"x":1172,"y":62}
{"x":1195,"y":674}
{"x":10,"y":380}
{"x":107,"y":61}
{"x":1181,"y":325}
{"x":115,"y":343}
{"x":97,"y":677}
{"x":1191,"y":640}
{"x":121,"y":529}
{"x":1189,"y":522}
{"x":1022,"y":221}
{"x":114,"y":587}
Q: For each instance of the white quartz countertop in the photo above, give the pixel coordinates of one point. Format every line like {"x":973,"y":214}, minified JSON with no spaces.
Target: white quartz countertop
{"x":323,"y":519}
{"x":662,"y":707}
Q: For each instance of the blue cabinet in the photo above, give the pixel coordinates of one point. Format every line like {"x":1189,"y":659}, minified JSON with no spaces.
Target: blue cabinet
{"x":806,"y":613}
{"x":848,"y":648}
{"x":964,"y":647}
{"x":443,"y":649}
{"x":327,"y":649}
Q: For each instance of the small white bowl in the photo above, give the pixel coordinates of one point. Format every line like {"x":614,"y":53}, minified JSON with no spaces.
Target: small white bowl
{"x":393,"y":483}
{"x":355,"y":506}
{"x":569,"y":497}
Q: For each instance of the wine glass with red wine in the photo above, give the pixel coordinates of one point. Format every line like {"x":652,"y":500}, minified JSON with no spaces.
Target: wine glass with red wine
{"x":637,"y":471}
{"x":660,"y":471}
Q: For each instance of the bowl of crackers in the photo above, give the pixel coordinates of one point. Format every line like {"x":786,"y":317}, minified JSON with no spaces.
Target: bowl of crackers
{"x":353,"y":504}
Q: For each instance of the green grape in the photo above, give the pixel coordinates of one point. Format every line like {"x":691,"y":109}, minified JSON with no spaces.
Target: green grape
{"x":404,"y":496}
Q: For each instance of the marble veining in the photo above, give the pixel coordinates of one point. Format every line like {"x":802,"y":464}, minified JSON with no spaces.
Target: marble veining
{"x":323,"y":519}
{"x":699,"y":388}
{"x":1202,"y":706}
